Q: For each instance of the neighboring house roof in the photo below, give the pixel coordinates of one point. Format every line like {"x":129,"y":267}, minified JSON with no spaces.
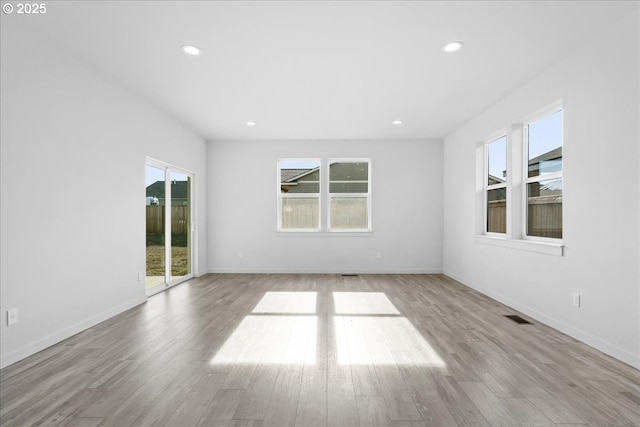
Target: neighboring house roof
{"x":496,"y":180}
{"x":300,"y":180}
{"x":549,"y":155}
{"x":290,"y":175}
{"x":178,"y":190}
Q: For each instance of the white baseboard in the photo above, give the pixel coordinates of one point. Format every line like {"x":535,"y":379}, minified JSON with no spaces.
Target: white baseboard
{"x":316,"y":271}
{"x":582,"y":336}
{"x":42,"y":343}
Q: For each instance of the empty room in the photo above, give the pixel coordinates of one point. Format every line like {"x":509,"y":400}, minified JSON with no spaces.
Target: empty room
{"x":320,"y":213}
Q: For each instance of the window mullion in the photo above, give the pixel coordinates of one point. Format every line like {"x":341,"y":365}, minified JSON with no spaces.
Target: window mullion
{"x":325,"y":205}
{"x":515,"y":154}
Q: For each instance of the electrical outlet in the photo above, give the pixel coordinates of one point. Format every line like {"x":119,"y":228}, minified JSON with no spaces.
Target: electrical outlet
{"x":240,"y":254}
{"x":12,"y":316}
{"x":576,"y":300}
{"x":379,"y":255}
{"x":140,"y":276}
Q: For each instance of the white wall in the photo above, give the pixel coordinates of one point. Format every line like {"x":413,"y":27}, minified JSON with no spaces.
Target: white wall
{"x":599,"y":86}
{"x":406,"y":209}
{"x":73,"y":175}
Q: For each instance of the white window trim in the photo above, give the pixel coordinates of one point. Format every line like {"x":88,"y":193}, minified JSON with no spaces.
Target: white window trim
{"x":487,"y":187}
{"x":366,"y":195}
{"x":522,"y":244}
{"x":517,"y":157}
{"x":324,"y":199}
{"x":168,"y":168}
{"x":281,"y":196}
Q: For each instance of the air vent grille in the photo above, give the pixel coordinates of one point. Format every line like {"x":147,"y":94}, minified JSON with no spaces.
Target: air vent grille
{"x":518,"y":319}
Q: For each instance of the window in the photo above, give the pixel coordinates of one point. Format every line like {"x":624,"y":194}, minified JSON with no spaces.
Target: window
{"x":518,"y":197}
{"x":496,"y":186}
{"x":302,"y":194}
{"x":348,"y":195}
{"x":299,"y":195}
{"x":543,"y":179}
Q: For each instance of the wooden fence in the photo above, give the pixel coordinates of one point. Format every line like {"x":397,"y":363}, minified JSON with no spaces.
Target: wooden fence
{"x":179,"y":219}
{"x":346,"y":213}
{"x":299,"y":213}
{"x":497,"y":217}
{"x":544,"y":218}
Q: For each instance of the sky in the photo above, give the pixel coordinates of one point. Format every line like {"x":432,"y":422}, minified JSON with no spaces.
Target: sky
{"x":498,"y":157}
{"x":299,"y":164}
{"x":544,"y":136}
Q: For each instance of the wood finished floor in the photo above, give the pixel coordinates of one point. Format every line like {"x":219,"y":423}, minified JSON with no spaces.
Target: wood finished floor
{"x":319,"y":350}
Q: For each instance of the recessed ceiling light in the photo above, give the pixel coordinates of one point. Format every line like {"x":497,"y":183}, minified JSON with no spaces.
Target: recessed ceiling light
{"x":251,"y":123}
{"x":191,"y":49}
{"x":452,"y":46}
{"x":397,"y":122}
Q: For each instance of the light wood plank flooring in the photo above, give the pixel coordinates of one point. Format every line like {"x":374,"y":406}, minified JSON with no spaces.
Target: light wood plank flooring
{"x":319,"y":350}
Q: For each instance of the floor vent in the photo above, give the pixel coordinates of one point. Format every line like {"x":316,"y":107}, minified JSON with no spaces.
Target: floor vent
{"x":518,"y":319}
{"x":349,"y":275}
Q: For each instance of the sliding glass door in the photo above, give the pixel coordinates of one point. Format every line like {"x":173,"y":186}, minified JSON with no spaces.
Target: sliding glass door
{"x":168,"y":226}
{"x":156,"y":242}
{"x":180,"y":259}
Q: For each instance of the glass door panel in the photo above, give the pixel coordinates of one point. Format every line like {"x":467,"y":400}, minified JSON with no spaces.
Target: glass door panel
{"x":168,"y":226}
{"x":155,"y":225}
{"x":180,"y":226}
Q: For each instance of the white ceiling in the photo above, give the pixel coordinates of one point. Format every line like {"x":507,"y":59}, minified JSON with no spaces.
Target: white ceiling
{"x":324,"y":70}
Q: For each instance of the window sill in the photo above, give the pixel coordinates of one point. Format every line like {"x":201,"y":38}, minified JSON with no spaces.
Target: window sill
{"x":324,"y":233}
{"x":524,"y":245}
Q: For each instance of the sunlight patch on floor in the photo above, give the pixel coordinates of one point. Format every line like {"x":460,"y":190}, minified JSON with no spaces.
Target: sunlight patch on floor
{"x":378,"y":341}
{"x":271,"y":340}
{"x":367,"y":328}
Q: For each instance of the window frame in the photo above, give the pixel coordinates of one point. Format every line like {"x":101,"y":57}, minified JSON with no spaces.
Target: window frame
{"x":171,"y":280}
{"x":281,"y":196}
{"x":488,"y":187}
{"x":526,"y":180}
{"x":331,"y":196}
{"x":324,"y":199}
{"x":517,"y":178}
